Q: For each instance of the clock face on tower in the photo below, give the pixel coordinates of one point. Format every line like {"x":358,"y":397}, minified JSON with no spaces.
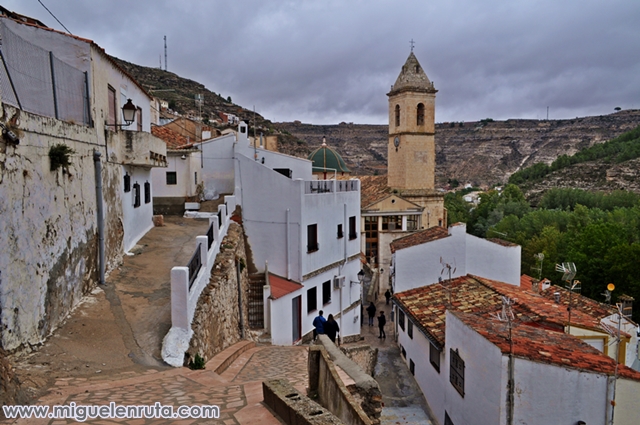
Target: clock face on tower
{"x":396,"y":142}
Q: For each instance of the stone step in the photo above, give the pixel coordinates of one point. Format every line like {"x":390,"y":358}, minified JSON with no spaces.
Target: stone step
{"x":221,"y":361}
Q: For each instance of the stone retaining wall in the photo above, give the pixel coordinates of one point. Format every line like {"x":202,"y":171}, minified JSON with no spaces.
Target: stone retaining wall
{"x":216,"y":322}
{"x":363,"y":355}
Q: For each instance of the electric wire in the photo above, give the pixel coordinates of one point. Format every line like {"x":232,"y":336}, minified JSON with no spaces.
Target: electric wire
{"x":54,"y":16}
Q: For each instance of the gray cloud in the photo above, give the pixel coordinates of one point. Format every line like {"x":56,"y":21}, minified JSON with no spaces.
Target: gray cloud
{"x":332,"y":61}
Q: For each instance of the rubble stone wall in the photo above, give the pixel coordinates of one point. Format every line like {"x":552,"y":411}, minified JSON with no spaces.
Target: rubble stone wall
{"x":216,"y":322}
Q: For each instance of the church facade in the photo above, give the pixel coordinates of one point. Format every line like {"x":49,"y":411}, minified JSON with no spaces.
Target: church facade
{"x":405,"y":200}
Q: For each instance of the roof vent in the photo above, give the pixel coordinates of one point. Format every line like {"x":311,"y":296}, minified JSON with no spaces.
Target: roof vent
{"x":556,"y":296}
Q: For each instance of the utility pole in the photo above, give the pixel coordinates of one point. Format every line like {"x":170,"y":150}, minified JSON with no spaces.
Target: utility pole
{"x":165,"y":52}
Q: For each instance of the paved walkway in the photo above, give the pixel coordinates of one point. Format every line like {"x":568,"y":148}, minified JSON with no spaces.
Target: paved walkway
{"x":237,"y":391}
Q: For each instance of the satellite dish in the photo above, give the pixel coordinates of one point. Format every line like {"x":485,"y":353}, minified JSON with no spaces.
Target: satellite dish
{"x":611,"y":287}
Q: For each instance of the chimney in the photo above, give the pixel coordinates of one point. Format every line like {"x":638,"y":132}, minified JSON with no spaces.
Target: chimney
{"x":626,"y":305}
{"x":556,"y":296}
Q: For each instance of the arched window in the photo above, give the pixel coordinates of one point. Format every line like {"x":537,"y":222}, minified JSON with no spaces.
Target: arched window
{"x":397,"y":115}
{"x":420,"y":115}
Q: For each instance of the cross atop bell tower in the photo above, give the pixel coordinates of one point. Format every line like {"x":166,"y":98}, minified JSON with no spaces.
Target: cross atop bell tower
{"x":411,"y":147}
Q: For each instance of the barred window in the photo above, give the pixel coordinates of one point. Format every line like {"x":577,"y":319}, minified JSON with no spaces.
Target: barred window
{"x":456,"y":371}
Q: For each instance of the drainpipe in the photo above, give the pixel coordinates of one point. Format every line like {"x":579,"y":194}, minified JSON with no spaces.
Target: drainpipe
{"x":238,"y":277}
{"x":288,"y":245}
{"x":100,"y":214}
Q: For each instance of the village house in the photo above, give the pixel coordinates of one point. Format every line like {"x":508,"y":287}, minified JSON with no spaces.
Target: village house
{"x":405,"y":200}
{"x":60,"y":229}
{"x":489,"y":352}
{"x":428,"y":256}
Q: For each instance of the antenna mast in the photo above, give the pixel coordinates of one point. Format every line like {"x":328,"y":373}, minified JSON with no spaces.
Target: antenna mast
{"x":165,"y":52}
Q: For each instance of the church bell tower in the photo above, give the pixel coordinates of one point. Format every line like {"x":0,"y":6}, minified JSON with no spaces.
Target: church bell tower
{"x":411,"y":148}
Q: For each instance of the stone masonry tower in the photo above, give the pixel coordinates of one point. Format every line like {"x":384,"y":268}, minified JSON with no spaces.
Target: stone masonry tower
{"x":411,"y":149}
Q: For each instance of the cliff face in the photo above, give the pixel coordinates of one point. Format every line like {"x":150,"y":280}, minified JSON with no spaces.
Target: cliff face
{"x":481,"y":153}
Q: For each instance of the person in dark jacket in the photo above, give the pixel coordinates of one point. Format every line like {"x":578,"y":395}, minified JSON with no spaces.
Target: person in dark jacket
{"x":387,"y":295}
{"x":372,"y":312}
{"x":382,"y":320}
{"x":331,"y":328}
{"x":318,"y":324}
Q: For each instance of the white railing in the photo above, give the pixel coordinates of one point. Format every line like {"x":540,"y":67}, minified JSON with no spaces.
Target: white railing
{"x":330,"y":186}
{"x":185,"y":300}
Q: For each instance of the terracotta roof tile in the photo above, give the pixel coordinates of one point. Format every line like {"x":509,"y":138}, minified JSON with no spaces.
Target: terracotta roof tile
{"x":544,"y":346}
{"x":281,"y":286}
{"x":420,"y":237}
{"x":502,"y":242}
{"x":172,"y":138}
{"x":373,"y":189}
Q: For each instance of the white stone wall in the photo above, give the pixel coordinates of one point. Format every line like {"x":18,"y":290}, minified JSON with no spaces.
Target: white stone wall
{"x":218,"y":164}
{"x":185,"y":177}
{"x":48,"y":226}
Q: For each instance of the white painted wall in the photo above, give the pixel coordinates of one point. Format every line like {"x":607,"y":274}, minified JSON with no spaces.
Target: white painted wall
{"x":137,"y":221}
{"x":420,"y":265}
{"x":218,"y":164}
{"x":484,"y":398}
{"x":627,"y":410}
{"x":185,"y":177}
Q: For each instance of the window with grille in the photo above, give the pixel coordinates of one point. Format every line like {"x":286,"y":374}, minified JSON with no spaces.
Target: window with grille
{"x":340,"y":232}
{"x":397,"y":115}
{"x":392,"y":222}
{"x":127,"y":183}
{"x":312,"y":238}
{"x":401,"y":319}
{"x":456,"y":371}
{"x":353,"y":231}
{"x":312,"y":300}
{"x":172,"y":178}
{"x":412,"y":222}
{"x":147,"y":192}
{"x":136,"y":195}
{"x":326,"y":292}
{"x":410,"y":328}
{"x":434,"y":357}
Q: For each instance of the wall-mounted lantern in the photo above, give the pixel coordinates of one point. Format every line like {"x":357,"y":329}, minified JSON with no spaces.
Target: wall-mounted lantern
{"x":128,"y":114}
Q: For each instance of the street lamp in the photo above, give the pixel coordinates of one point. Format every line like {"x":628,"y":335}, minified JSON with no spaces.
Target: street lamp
{"x":128,"y":113}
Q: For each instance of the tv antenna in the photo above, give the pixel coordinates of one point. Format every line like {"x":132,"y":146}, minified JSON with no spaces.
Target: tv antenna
{"x":506,"y":315}
{"x":568,"y":271}
{"x":165,"y":52}
{"x":199,"y":102}
{"x":448,"y":267}
{"x":540,"y":258}
{"x":607,"y":293}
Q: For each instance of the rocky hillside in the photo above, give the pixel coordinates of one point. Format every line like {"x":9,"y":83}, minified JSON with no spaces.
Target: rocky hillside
{"x":481,"y":153}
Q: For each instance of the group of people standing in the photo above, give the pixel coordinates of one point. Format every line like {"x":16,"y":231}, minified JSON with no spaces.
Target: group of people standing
{"x":330,"y":327}
{"x":326,"y":326}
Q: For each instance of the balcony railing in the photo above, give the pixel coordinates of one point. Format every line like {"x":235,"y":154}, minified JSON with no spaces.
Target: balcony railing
{"x":330,"y":186}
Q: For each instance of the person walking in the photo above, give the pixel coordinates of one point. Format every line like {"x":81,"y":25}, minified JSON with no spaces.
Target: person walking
{"x":371,"y":310}
{"x":331,"y":328}
{"x":318,"y":324}
{"x":382,"y":320}
{"x":387,"y":295}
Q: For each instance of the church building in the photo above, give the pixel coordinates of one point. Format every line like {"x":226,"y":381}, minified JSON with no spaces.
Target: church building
{"x":405,"y":200}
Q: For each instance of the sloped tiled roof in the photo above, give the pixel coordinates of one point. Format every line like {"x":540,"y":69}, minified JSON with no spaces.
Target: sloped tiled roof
{"x":373,"y":189}
{"x":281,"y":286}
{"x":545,"y":346}
{"x":412,"y":77}
{"x":417,"y":238}
{"x":172,"y":138}
{"x":501,"y":242}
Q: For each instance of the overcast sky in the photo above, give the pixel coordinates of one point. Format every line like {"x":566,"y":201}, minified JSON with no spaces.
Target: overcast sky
{"x":327,"y":61}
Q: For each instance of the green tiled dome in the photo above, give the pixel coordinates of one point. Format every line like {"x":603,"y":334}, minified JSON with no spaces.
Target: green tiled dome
{"x":326,"y":159}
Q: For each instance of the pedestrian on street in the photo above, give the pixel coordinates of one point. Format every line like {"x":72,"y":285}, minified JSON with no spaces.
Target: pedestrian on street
{"x":318,"y":324}
{"x":372,"y":312}
{"x":382,"y":320}
{"x":331,"y":328}
{"x":387,"y":295}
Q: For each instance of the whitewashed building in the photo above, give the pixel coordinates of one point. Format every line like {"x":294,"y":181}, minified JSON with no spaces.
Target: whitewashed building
{"x":50,"y":228}
{"x":425,"y":257}
{"x":454,"y":338}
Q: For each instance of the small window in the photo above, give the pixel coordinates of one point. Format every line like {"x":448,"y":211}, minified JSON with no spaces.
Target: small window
{"x":340,"y":232}
{"x":312,"y":238}
{"x":392,"y":222}
{"x":403,"y":351}
{"x":434,"y":357}
{"x":397,"y":115}
{"x":127,"y":183}
{"x":353,"y":232}
{"x":312,"y":300}
{"x":147,"y":192}
{"x":410,"y":328}
{"x":420,"y":117}
{"x":412,"y":367}
{"x":401,"y":319}
{"x":412,"y":222}
{"x":326,"y":292}
{"x":136,"y":195}
{"x":172,"y":178}
{"x":456,"y":371}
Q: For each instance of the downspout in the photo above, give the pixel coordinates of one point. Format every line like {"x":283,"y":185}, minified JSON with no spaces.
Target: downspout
{"x":288,"y":245}
{"x":511,"y":383}
{"x":100,"y":214}
{"x":240,"y":309}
